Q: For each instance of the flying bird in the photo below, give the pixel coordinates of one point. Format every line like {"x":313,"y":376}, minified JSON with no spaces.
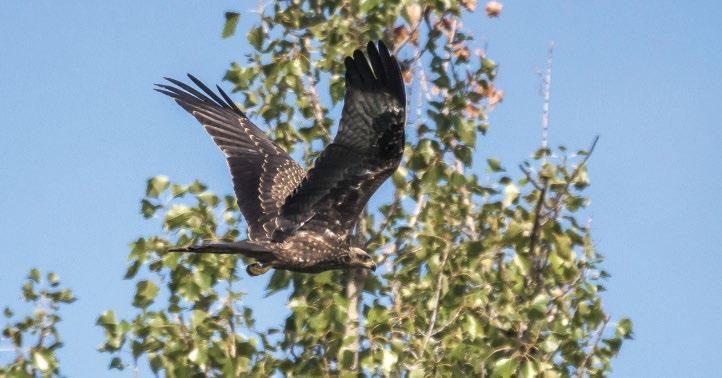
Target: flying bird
{"x":301,"y":220}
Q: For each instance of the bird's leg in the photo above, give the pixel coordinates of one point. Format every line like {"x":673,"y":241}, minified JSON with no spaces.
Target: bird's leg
{"x":256,"y":269}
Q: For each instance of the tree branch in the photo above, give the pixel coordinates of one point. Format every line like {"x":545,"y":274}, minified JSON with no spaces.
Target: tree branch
{"x":560,"y":195}
{"x":546,"y":93}
{"x":313,"y":91}
{"x":353,"y":293}
{"x":530,"y":178}
{"x":535,"y":236}
{"x":437,"y":297}
{"x":592,"y":347}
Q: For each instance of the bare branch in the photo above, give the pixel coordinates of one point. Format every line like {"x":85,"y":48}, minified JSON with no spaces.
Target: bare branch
{"x":584,"y":161}
{"x":546,"y":92}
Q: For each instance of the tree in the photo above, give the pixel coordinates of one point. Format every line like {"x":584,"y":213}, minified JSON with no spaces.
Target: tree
{"x":34,"y":338}
{"x":484,"y":271}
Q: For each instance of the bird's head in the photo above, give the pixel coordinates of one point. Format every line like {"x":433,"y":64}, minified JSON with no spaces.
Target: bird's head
{"x":361,"y":259}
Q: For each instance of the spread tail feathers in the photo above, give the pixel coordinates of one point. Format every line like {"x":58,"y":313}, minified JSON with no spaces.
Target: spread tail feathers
{"x":246,"y":248}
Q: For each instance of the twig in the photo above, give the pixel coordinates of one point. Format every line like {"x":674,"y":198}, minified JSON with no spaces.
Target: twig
{"x":593,"y":347}
{"x":437,"y":297}
{"x":535,"y":236}
{"x":560,"y":195}
{"x":401,"y":44}
{"x":424,"y":86}
{"x":584,"y":161}
{"x":546,"y":92}
{"x":313,"y":92}
{"x":465,"y":196}
{"x":394,"y":248}
{"x":450,"y":44}
{"x":450,"y":322}
{"x":392,"y":209}
{"x":529,"y":177}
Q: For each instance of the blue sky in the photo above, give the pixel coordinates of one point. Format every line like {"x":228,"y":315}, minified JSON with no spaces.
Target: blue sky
{"x":82,"y":130}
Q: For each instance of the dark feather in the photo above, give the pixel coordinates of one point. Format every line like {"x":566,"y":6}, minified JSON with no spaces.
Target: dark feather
{"x":364,"y":153}
{"x":263,"y":174}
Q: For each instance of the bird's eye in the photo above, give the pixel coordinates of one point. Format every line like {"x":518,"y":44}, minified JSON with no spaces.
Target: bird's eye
{"x":365,"y":257}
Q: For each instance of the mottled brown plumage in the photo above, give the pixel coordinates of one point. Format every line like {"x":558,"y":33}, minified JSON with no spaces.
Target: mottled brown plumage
{"x":302,"y":220}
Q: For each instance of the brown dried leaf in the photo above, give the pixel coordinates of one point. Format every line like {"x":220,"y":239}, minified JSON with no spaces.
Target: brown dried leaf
{"x":470,"y":5}
{"x":461,"y":51}
{"x":472,"y":111}
{"x":415,"y":38}
{"x":401,"y":35}
{"x":493,"y":8}
{"x":408,"y":75}
{"x":496,"y":96}
{"x":445,"y":23}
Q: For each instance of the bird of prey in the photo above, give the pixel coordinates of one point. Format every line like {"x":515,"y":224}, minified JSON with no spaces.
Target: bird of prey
{"x":302,"y":220}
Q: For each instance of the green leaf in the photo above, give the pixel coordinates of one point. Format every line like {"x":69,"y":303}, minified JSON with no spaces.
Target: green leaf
{"x":41,"y":361}
{"x":367,"y":5}
{"x":494,"y":165}
{"x":177,"y":216}
{"x":229,"y":28}
{"x":53,"y":279}
{"x":464,"y":153}
{"x":145,"y":292}
{"x":116,"y":363}
{"x":528,"y":369}
{"x":255,"y":37}
{"x":504,"y":367}
{"x":34,"y":275}
{"x":624,"y":328}
{"x":347,"y":357}
{"x":106,"y":319}
{"x":156,"y":185}
{"x":522,"y":262}
{"x":511,"y":193}
{"x":148,"y":209}
{"x":132,"y":269}
{"x":65,"y":296}
{"x":208,"y":198}
{"x":539,"y":306}
{"x":467,"y":132}
{"x":389,"y":361}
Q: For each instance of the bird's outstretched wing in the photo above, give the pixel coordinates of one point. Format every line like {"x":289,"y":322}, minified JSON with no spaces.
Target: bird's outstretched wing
{"x":263,"y":174}
{"x":365,"y":152}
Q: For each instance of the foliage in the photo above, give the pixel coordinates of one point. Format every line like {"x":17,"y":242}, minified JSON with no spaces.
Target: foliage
{"x":198,"y":328}
{"x":483,"y":273}
{"x":34,"y":339}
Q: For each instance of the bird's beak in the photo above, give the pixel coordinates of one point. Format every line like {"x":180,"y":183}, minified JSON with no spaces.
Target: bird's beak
{"x":371,"y":265}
